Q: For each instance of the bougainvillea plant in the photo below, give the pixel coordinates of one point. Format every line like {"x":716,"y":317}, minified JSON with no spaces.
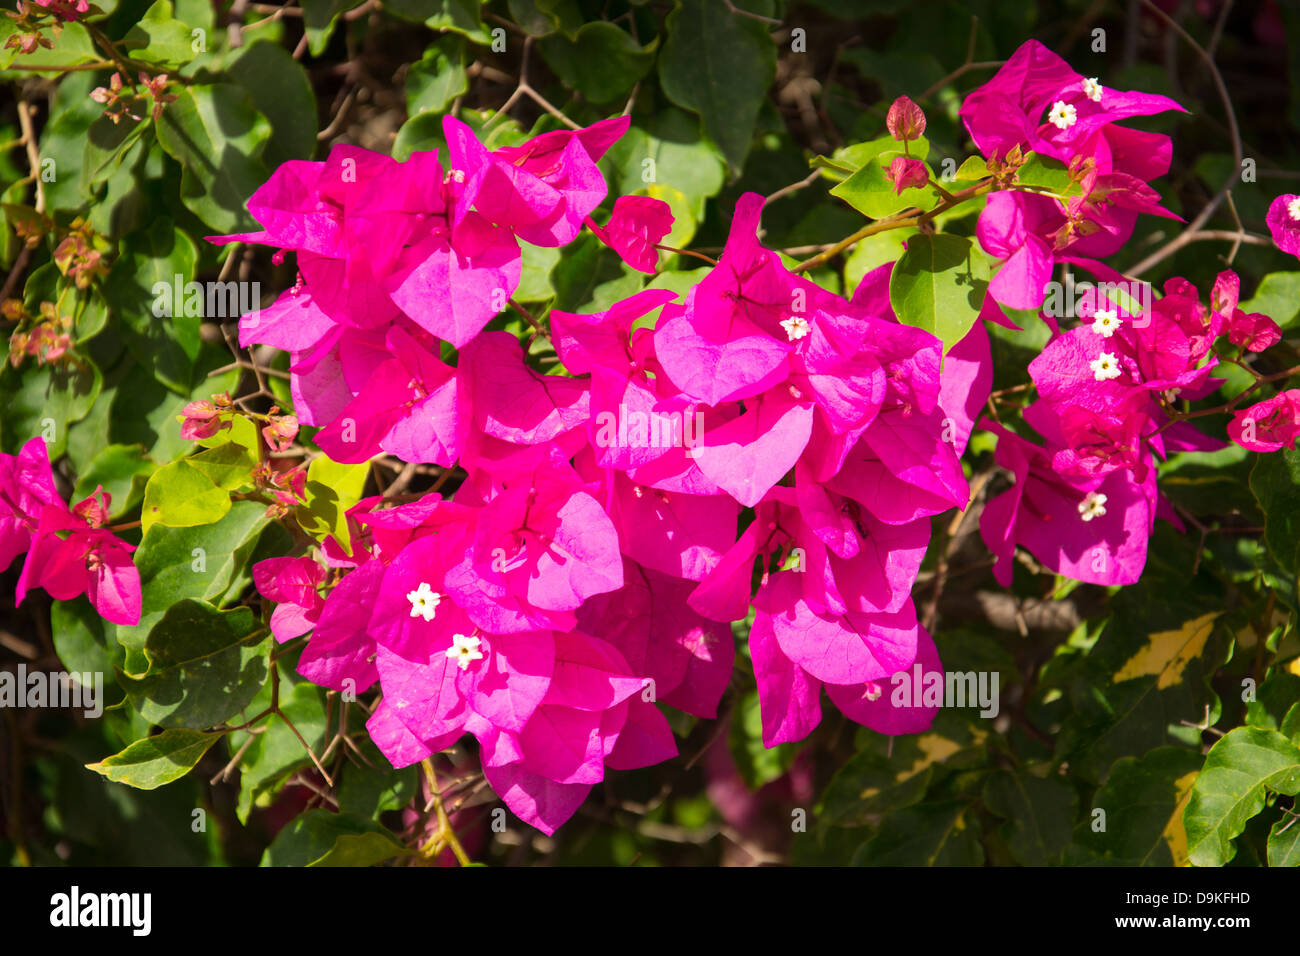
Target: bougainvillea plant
{"x":577,"y":470}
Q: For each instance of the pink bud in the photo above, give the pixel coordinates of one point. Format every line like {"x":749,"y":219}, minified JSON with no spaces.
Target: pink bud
{"x":905,"y":121}
{"x":1253,"y":330}
{"x":905,"y":173}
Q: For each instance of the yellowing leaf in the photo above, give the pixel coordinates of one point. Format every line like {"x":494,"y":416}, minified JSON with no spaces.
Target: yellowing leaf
{"x":1174,"y":833}
{"x":1169,"y":652}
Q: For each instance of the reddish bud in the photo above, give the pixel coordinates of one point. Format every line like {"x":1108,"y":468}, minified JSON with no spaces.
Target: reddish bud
{"x":905,"y":121}
{"x":905,"y":173}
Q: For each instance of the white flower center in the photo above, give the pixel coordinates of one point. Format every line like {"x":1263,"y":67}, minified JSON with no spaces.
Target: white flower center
{"x":796,"y":327}
{"x":464,"y":650}
{"x":1104,"y":367}
{"x":1105,"y":322}
{"x":1293,"y":207}
{"x":424,"y":601}
{"x":1092,"y":89}
{"x":1092,"y":506}
{"x":1062,"y":115}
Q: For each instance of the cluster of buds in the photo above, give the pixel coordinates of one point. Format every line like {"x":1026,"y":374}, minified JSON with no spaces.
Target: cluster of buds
{"x":121,"y":104}
{"x":28,"y":22}
{"x":77,"y":256}
{"x":1003,"y":169}
{"x":288,"y":488}
{"x":280,"y":430}
{"x":203,"y":419}
{"x":47,"y":337}
{"x":27,"y":36}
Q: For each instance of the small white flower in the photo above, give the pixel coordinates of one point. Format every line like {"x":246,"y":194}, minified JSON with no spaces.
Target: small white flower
{"x":1104,"y":367}
{"x":1092,"y":506}
{"x":872,"y":691}
{"x":424,"y":601}
{"x":464,"y":649}
{"x":1293,"y":207}
{"x":796,"y":327}
{"x":1105,"y":322}
{"x":1092,"y":89}
{"x":1062,"y":115}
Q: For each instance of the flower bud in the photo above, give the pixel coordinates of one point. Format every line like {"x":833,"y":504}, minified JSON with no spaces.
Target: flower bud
{"x":905,"y":173}
{"x":905,"y":121}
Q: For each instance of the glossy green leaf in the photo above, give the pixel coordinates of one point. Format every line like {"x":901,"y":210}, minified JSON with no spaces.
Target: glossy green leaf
{"x":719,"y":64}
{"x":180,"y":496}
{"x":602,"y":61}
{"x":939,"y":285}
{"x":1239,"y":769}
{"x":217,"y":135}
{"x":321,"y":838}
{"x":205,"y":666}
{"x":155,"y":761}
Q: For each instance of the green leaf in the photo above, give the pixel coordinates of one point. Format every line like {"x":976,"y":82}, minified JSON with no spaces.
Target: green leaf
{"x":1291,"y":724}
{"x":178,"y":563}
{"x":275,"y":752}
{"x":180,"y":496}
{"x":122,"y":470}
{"x":1284,"y":842}
{"x":873,"y":252}
{"x":105,"y":150}
{"x":542,"y":17}
{"x":939,"y":285}
{"x":757,"y":764}
{"x":1142,"y":802}
{"x":155,"y":761}
{"x":929,"y":834}
{"x":871,"y":193}
{"x":438,"y":77}
{"x":158,"y":37}
{"x":1039,"y":812}
{"x":365,"y":791}
{"x":45,"y":400}
{"x":217,"y":135}
{"x":279,"y":89}
{"x":1278,"y":297}
{"x":227,"y":466}
{"x":319,"y":18}
{"x":1238,"y":770}
{"x":141,"y":288}
{"x":458,"y":16}
{"x":719,"y":64}
{"x":205,"y":666}
{"x":535,"y":280}
{"x":73,"y":46}
{"x":321,"y":838}
{"x":1275,"y":482}
{"x":64,"y":138}
{"x":331,"y":490}
{"x":80,"y":640}
{"x":972,"y":168}
{"x":1048,"y":174}
{"x":602,"y":62}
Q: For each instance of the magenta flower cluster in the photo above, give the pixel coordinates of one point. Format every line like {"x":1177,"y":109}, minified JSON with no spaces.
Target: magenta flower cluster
{"x":69,"y":551}
{"x":763,"y":450}
{"x":586,"y":570}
